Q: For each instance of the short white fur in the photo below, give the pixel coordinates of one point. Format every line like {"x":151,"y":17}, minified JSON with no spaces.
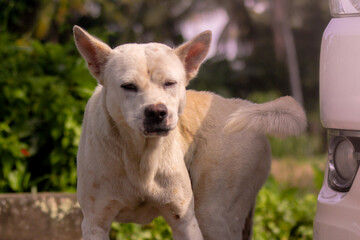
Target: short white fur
{"x":203,"y":175}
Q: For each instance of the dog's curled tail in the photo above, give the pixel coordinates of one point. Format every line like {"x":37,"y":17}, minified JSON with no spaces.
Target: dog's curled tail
{"x":281,"y":118}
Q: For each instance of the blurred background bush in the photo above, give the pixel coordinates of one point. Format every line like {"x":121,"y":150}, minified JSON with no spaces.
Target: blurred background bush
{"x":262,"y":49}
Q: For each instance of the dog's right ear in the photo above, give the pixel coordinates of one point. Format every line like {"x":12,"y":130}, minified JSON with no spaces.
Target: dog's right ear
{"x":93,"y":51}
{"x":193,"y":53}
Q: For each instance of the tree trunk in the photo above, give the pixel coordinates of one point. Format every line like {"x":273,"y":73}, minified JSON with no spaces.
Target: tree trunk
{"x":285,"y":45}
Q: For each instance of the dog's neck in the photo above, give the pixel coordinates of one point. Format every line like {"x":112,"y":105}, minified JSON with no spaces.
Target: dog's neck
{"x":148,"y":161}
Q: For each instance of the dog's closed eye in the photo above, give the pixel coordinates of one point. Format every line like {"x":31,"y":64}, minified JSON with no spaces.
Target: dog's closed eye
{"x":129,"y":87}
{"x":169,"y":84}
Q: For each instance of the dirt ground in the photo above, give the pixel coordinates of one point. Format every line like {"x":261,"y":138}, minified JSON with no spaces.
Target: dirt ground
{"x":301,"y":174}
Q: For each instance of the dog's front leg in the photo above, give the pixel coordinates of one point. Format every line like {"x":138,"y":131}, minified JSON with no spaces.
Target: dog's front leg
{"x":187,"y":230}
{"x":184,"y":227}
{"x":98,"y":216}
{"x":91,"y":230}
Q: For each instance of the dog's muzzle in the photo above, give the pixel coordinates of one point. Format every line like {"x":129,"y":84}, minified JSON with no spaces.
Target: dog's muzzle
{"x":155,"y":121}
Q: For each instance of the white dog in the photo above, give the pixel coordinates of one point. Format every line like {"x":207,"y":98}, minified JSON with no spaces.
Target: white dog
{"x":151,"y":148}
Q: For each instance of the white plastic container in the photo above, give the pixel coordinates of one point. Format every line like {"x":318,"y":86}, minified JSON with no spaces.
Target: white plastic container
{"x":340,"y":74}
{"x":338,"y":206}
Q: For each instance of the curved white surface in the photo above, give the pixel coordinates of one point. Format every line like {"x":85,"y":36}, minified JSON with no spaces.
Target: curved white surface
{"x":340,"y":74}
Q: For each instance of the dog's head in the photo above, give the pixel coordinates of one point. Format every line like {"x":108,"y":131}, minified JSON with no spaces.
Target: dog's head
{"x":144,"y":84}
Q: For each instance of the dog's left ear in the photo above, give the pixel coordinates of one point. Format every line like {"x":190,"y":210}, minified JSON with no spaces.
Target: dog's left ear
{"x":193,"y":53}
{"x":94,"y":51}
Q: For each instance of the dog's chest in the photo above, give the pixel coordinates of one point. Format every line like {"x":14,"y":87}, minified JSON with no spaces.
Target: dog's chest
{"x":139,"y":211}
{"x":165,"y":193}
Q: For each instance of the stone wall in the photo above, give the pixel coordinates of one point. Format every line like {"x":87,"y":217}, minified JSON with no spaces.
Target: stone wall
{"x":41,"y":216}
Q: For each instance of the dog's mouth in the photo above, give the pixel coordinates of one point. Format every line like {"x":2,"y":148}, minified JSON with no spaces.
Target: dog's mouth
{"x":153,"y":132}
{"x":158,"y":128}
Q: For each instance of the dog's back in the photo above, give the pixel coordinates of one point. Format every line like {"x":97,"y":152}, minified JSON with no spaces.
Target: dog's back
{"x":229,"y":157}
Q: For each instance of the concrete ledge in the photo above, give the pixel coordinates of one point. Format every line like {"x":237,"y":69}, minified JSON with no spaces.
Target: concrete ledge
{"x":41,"y":216}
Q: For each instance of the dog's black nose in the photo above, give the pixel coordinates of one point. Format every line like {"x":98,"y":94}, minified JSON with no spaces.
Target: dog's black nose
{"x":156,"y":112}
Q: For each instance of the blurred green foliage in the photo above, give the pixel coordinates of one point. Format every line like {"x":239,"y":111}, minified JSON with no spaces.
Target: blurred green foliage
{"x":44,"y":86}
{"x":283,"y":214}
{"x":156,"y":230}
{"x":43,"y":95}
